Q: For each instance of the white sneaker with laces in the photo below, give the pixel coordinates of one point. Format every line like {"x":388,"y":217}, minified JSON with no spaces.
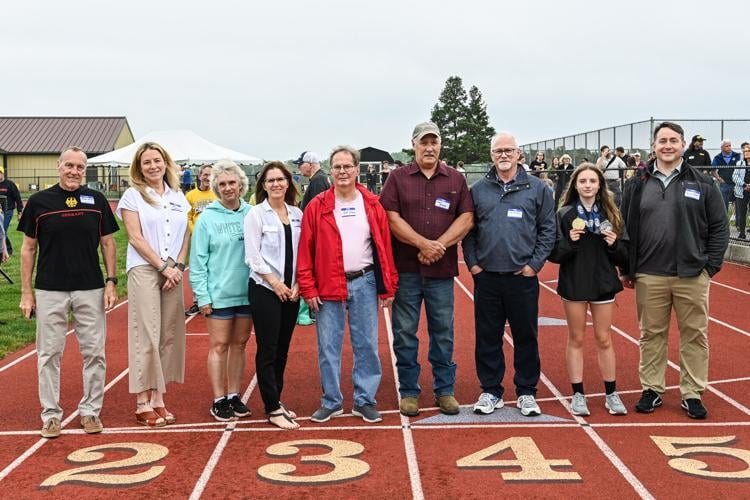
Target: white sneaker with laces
{"x":614,"y":404}
{"x":488,"y":403}
{"x":578,"y":405}
{"x":527,"y":405}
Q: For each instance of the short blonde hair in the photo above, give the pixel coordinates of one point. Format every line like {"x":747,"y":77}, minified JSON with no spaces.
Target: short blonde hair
{"x":228,"y":167}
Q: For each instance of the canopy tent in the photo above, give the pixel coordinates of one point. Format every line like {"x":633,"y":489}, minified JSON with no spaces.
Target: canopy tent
{"x":184,"y":146}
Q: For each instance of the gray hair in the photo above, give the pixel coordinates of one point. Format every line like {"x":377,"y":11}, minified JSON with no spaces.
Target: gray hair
{"x":75,"y":149}
{"x":344,"y":149}
{"x":503,"y":133}
{"x":228,"y":167}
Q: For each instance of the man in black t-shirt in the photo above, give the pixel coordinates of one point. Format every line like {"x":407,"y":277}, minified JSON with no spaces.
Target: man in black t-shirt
{"x":10,"y":199}
{"x":67,"y":223}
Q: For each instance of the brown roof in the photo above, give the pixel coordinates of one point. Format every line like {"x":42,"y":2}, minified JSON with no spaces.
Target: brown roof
{"x":39,"y":135}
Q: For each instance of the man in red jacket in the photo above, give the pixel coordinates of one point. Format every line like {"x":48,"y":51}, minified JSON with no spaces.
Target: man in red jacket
{"x":345,"y":263}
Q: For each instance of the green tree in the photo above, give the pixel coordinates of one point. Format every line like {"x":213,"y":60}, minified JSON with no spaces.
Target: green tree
{"x":478,"y":129}
{"x":450,"y":115}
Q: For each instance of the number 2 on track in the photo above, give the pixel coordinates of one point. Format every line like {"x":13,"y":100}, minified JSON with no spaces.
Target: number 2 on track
{"x":534,"y":467}
{"x":101,"y":474}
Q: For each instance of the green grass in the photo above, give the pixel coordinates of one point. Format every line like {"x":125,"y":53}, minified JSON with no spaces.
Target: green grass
{"x":17,"y":332}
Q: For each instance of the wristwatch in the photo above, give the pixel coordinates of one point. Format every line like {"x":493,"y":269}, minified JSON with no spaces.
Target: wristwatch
{"x":180,"y":266}
{"x":113,"y":279}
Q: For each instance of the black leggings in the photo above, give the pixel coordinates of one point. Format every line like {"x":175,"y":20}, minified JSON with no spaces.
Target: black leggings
{"x":274,"y":323}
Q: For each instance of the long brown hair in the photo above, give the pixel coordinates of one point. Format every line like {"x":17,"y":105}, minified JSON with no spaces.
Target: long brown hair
{"x":604,"y":197}
{"x":290,"y":197}
{"x":136,"y":173}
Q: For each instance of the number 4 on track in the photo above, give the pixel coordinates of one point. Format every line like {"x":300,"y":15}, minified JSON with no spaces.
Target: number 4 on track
{"x":534,"y":467}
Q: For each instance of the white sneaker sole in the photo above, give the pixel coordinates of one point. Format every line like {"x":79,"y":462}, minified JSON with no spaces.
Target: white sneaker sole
{"x":336,"y":413}
{"x":580,"y":413}
{"x":612,"y":412}
{"x":372,"y":421}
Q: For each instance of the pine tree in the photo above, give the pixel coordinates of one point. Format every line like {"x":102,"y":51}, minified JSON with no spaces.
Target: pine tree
{"x":450,"y":114}
{"x":478,"y":129}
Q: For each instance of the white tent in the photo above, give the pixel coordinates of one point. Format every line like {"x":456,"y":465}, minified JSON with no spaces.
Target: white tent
{"x":184,"y":146}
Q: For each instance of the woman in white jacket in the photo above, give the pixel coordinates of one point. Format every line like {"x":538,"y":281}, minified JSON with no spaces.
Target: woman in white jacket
{"x":741,"y":178}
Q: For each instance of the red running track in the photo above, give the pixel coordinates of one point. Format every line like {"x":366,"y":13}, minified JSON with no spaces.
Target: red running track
{"x":557,"y":455}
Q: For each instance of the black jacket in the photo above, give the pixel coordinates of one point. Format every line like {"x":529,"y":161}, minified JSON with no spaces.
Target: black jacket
{"x":703,"y":230}
{"x":697,"y":158}
{"x":587,"y":266}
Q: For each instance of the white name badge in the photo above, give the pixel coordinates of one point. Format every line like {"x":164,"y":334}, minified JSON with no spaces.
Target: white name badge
{"x":442,"y":203}
{"x":693,"y":193}
{"x":89,"y":200}
{"x":270,"y":229}
{"x":515,"y":213}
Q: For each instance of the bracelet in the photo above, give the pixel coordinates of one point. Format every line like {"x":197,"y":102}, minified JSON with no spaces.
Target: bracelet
{"x":163,"y":267}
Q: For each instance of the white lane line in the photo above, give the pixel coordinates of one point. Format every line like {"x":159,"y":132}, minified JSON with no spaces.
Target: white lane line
{"x":13,"y":465}
{"x":33,"y":351}
{"x":220,"y":446}
{"x":681,"y":425}
{"x":727,"y":325}
{"x":411,"y":452}
{"x":744,"y":409}
{"x":730,"y":287}
{"x":608,"y":452}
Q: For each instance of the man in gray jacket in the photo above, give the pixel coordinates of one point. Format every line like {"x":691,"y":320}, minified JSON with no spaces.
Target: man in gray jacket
{"x":514,"y":233}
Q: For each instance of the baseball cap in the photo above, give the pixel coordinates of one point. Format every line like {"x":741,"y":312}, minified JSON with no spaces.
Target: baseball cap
{"x":424,"y":129}
{"x":307,"y":157}
{"x":697,"y":137}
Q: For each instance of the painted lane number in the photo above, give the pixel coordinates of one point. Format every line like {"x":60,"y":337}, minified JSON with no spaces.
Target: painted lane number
{"x":105,"y":473}
{"x":534,"y":466}
{"x":681,"y":447}
{"x":340,"y":456}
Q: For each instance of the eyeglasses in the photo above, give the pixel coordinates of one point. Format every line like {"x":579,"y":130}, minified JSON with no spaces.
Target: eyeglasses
{"x":342,"y":168}
{"x":277,"y":180}
{"x":506,"y":151}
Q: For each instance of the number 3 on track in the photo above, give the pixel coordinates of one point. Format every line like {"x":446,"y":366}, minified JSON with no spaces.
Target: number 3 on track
{"x":534,"y":467}
{"x":101,"y":474}
{"x":340,"y":456}
{"x":681,"y":446}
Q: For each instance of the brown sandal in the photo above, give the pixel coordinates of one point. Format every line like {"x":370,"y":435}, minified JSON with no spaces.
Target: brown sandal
{"x":150,"y":419}
{"x":163,"y":413}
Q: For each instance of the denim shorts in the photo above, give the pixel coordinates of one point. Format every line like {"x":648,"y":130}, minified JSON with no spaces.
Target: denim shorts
{"x":230,"y":312}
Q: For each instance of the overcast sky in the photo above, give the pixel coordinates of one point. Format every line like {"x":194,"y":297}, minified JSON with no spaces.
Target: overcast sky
{"x":272,"y":79}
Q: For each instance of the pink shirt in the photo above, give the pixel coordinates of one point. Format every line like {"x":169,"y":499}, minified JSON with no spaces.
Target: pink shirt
{"x":356,"y":238}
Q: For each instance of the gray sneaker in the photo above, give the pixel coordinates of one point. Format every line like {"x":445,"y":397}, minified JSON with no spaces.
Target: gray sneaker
{"x":324,"y":414}
{"x":613,"y":403}
{"x":51,"y":428}
{"x":368,"y":413}
{"x":527,"y":405}
{"x":578,"y":405}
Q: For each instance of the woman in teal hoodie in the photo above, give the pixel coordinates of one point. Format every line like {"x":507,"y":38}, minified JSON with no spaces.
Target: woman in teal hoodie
{"x":218,"y":276}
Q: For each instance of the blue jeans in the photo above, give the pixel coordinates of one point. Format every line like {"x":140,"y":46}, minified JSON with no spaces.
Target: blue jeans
{"x":727,"y":193}
{"x":438,"y":301}
{"x":8,"y":214}
{"x":362,"y":303}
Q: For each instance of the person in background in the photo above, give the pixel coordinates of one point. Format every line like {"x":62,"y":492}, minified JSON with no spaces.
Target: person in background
{"x":741,"y":178}
{"x":3,"y":248}
{"x":538,"y":163}
{"x":696,"y":156}
{"x":725,"y":162}
{"x":564,"y":171}
{"x":590,"y":243}
{"x":272,"y":232}
{"x":68,"y":223}
{"x":460,"y":168}
{"x":199,"y":198}
{"x":372,"y":179}
{"x":187,"y":178}
{"x":309,"y":166}
{"x":218,"y":277}
{"x":385,"y":170}
{"x":10,"y":199}
{"x":154,"y":211}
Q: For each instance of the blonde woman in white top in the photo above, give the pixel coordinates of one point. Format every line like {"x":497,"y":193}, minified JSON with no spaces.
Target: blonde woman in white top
{"x":154,"y":211}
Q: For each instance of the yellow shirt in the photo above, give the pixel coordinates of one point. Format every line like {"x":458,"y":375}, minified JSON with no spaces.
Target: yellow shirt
{"x":198,"y":200}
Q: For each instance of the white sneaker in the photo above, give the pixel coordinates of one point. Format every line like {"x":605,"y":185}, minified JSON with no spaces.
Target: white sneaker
{"x":614,"y":404}
{"x":488,"y":403}
{"x":578,"y":405}
{"x":527,"y":405}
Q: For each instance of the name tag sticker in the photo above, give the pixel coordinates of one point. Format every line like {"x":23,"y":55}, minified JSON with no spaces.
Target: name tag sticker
{"x":693,"y":193}
{"x":89,"y":200}
{"x":442,"y":203}
{"x":515,"y":213}
{"x":270,"y":229}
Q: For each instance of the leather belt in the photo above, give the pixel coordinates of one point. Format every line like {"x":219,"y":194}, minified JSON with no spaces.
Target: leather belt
{"x":358,"y":274}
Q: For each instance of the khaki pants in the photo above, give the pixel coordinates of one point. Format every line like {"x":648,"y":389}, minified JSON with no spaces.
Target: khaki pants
{"x":156,"y":331}
{"x":655,"y":297}
{"x":52,"y":310}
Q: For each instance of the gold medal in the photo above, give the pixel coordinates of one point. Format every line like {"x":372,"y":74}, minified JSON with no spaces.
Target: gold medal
{"x":579,"y":223}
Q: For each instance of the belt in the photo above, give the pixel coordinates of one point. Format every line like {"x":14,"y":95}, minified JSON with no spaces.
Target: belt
{"x":358,"y":274}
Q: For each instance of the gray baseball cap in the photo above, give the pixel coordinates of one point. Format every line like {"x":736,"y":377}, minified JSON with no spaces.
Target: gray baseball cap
{"x":424,"y":129}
